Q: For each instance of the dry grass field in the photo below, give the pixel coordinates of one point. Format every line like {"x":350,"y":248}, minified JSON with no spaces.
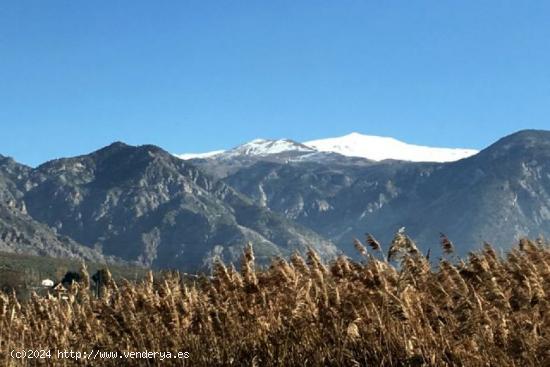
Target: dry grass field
{"x":394,"y":308}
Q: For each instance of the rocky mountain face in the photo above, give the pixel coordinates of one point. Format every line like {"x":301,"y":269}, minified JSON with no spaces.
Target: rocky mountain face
{"x":498,"y":195}
{"x":142,"y":204}
{"x":339,"y":201}
{"x":20,"y":233}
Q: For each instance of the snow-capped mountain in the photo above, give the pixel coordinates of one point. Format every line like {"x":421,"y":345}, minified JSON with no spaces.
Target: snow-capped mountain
{"x":375,"y":148}
{"x":378,"y":148}
{"x":254,"y":148}
{"x":263,"y":147}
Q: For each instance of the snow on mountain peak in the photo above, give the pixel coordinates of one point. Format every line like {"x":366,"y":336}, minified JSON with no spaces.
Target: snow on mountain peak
{"x":371,"y":147}
{"x":199,"y":155}
{"x":256,"y":147}
{"x":378,"y":148}
{"x":262,"y":147}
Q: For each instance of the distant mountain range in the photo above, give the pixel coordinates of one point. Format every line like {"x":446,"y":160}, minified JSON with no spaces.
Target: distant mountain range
{"x":142,"y":204}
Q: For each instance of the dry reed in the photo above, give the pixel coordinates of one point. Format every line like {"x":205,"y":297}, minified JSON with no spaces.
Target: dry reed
{"x":484,"y":311}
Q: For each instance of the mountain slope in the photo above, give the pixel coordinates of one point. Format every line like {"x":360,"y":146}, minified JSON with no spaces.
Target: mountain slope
{"x":19,"y":233}
{"x":505,"y":191}
{"x":339,"y":201}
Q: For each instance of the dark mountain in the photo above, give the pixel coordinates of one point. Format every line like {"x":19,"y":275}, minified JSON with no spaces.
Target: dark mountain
{"x":498,"y":195}
{"x":143,"y":204}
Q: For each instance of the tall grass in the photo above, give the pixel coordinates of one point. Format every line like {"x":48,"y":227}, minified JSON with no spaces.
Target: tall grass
{"x":394,"y":310}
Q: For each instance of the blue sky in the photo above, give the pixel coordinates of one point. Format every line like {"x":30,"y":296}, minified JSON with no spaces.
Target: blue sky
{"x":195,"y":76}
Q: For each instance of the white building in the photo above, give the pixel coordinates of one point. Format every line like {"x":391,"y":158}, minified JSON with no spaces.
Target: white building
{"x":47,"y":283}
